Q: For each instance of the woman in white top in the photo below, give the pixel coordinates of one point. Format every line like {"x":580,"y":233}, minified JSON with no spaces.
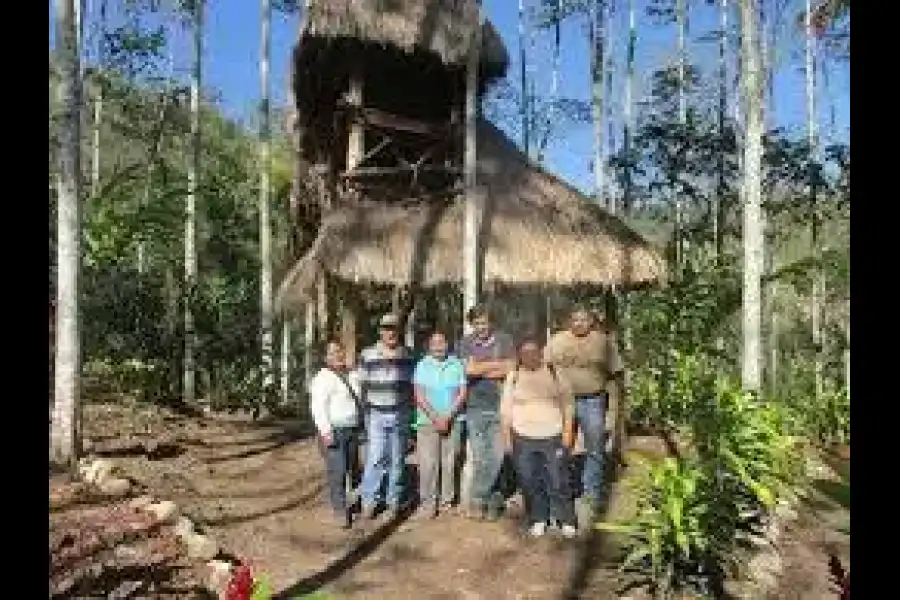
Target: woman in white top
{"x":333,"y":399}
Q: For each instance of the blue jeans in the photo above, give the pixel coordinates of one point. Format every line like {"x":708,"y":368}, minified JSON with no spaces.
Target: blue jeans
{"x":590,"y":412}
{"x":387,"y":432}
{"x":484,"y":435}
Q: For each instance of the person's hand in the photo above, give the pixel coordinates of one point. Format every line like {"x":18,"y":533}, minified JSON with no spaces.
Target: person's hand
{"x":327,"y":439}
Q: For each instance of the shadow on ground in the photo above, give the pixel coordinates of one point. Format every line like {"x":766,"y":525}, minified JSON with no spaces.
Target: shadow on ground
{"x":593,"y":548}
{"x":362,"y":543}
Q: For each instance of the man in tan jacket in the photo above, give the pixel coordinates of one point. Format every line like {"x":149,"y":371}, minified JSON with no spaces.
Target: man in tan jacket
{"x":587,"y":356}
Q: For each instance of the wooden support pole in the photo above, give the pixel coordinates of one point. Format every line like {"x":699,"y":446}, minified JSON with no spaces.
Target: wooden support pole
{"x":356,"y":149}
{"x":474,"y":209}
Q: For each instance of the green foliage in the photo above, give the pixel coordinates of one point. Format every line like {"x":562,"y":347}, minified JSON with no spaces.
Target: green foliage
{"x":695,"y":511}
{"x":670,"y":540}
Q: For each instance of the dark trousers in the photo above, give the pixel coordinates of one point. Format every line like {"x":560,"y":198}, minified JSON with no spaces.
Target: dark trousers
{"x":341,"y":463}
{"x":542,"y":469}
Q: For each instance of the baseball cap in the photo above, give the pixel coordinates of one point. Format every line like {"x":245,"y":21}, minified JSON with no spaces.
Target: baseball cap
{"x":389,"y":320}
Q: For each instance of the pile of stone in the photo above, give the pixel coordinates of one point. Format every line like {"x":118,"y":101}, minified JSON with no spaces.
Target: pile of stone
{"x":100,"y":477}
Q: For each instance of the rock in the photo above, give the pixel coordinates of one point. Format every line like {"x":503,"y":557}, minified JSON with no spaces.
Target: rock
{"x":743,"y":590}
{"x":785,"y":512}
{"x":164,"y":511}
{"x":773,"y":531}
{"x":765,"y":568}
{"x":115,"y":486}
{"x":183,"y":527}
{"x":218,"y":574}
{"x":98,"y":471}
{"x":201,"y":547}
{"x":141,"y":502}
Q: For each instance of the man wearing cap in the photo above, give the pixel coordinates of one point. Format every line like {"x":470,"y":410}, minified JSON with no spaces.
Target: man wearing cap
{"x":587,"y":356}
{"x":385,"y":375}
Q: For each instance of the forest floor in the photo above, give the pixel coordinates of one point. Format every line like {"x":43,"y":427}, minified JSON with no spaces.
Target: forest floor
{"x":259,"y":489}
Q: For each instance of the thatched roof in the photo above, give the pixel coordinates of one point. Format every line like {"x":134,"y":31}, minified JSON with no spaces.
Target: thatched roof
{"x":443,"y":27}
{"x":536,"y":230}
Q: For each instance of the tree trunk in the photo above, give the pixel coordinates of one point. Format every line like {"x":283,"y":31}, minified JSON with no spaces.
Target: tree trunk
{"x":64,"y":437}
{"x":189,"y":389}
{"x":721,"y":185}
{"x":812,"y":139}
{"x":753,"y":221}
{"x":609,"y":70}
{"x":473,"y":197}
{"x":681,"y":15}
{"x":550,"y":118}
{"x":265,"y":219}
{"x":99,"y":79}
{"x":598,"y":43}
{"x":627,"y":200}
{"x":525,"y":106}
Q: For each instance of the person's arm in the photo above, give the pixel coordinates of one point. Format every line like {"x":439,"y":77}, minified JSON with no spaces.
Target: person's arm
{"x":567,"y":402}
{"x":361,"y":377}
{"x":505,"y":362}
{"x":319,"y":397}
{"x":421,"y":397}
{"x":459,"y":402}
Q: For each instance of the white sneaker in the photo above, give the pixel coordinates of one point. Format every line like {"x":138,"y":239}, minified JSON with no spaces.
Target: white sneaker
{"x":537,"y":529}
{"x":569,"y":531}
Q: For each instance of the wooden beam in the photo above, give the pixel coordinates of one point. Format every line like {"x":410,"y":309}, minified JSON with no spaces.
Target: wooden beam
{"x":356,"y":150}
{"x":356,"y":136}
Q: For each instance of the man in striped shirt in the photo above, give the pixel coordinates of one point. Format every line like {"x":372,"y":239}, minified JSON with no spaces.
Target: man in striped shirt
{"x":385,"y":376}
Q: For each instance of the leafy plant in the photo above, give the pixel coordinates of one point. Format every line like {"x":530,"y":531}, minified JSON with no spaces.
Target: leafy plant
{"x":670,"y":542}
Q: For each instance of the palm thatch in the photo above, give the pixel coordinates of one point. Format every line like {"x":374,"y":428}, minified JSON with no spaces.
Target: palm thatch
{"x":535,"y":230}
{"x":443,"y":27}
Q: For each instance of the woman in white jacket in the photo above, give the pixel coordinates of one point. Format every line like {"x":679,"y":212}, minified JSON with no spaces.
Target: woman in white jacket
{"x":334,"y":398}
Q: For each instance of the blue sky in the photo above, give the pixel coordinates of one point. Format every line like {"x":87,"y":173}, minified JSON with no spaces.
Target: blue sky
{"x":232,"y":47}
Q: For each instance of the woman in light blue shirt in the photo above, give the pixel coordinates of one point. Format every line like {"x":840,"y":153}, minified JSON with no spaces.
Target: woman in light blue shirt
{"x":440,"y":389}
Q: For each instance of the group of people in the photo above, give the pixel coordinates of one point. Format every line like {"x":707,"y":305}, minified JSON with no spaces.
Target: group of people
{"x":508,"y":398}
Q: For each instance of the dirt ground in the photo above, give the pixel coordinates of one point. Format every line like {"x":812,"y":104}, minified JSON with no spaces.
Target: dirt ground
{"x":260,"y":490}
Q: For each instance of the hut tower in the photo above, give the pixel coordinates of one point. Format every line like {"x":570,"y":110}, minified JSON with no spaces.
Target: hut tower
{"x":380,"y":89}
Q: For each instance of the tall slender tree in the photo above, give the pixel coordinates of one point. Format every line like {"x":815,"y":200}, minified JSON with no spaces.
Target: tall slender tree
{"x":525,"y":106}
{"x":189,"y":389}
{"x":722,"y":117}
{"x":813,"y":142}
{"x":608,"y":73}
{"x":265,"y":220}
{"x":99,"y":80}
{"x":64,"y":443}
{"x":598,"y":47}
{"x":681,"y":19}
{"x":753,"y":239}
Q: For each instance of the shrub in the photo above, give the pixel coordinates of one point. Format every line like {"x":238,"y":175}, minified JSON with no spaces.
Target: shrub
{"x":695,"y":512}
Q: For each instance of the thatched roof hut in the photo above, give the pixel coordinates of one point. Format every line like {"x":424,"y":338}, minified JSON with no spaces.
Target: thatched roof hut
{"x":419,"y":46}
{"x":536,"y":230}
{"x":440,"y":27}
